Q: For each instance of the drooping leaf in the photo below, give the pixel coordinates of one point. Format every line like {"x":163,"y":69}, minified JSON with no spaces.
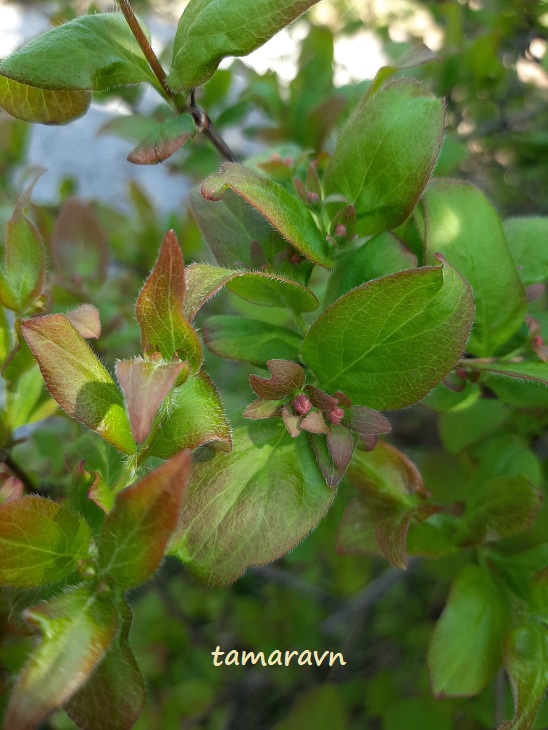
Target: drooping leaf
{"x":251,"y":506}
{"x":85,"y":319}
{"x":527,"y":242}
{"x":250,"y":340}
{"x":193,"y":415}
{"x":163,"y":141}
{"x":93,"y":52}
{"x":22,"y":280}
{"x":388,"y":342}
{"x":463,"y":226}
{"x":386,"y":474}
{"x":385,"y":154}
{"x":79,"y":244}
{"x":466,"y":646}
{"x":525,"y":653}
{"x":42,"y":106}
{"x":114,"y":695}
{"x":145,"y":384}
{"x":210,"y":30}
{"x":77,"y":380}
{"x":284,"y":211}
{"x":137,"y":530}
{"x":159,"y":308}
{"x":40,"y":542}
{"x":503,"y":507}
{"x":77,"y":629}
{"x":268,"y":290}
{"x":382,"y":255}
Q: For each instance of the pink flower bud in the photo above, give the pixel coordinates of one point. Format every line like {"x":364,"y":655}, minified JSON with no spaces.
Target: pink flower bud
{"x":341,"y":231}
{"x":336,"y":415}
{"x":313,"y":198}
{"x":301,"y":404}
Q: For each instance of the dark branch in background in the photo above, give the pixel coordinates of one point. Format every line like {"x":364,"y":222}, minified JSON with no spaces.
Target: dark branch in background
{"x":17,"y":470}
{"x":203,"y":122}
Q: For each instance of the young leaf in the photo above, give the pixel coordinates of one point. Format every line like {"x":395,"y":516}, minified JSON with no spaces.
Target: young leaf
{"x":77,"y":629}
{"x":465,"y":649}
{"x":210,"y":30}
{"x":503,"y":507}
{"x":94,"y":52}
{"x":268,"y":290}
{"x":250,"y":340}
{"x":463,"y":226}
{"x":385,"y":154}
{"x":331,"y":472}
{"x":85,"y":319}
{"x":464,"y":427}
{"x":159,"y":308}
{"x":136,"y":532}
{"x":388,"y":342}
{"x":526,"y":237}
{"x":251,"y":506}
{"x":42,"y":106}
{"x":356,"y":532}
{"x":284,"y":211}
{"x":25,"y":265}
{"x":114,"y":695}
{"x":192,"y":416}
{"x":525,"y":653}
{"x":145,"y":384}
{"x":77,"y":380}
{"x":286,"y":376}
{"x":533,"y":371}
{"x":386,"y":474}
{"x":164,"y":140}
{"x":40,"y":541}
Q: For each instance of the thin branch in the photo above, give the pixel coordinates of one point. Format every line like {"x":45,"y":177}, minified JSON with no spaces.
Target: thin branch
{"x":293,"y":582}
{"x":202,"y":120}
{"x":17,"y":470}
{"x":500,"y":691}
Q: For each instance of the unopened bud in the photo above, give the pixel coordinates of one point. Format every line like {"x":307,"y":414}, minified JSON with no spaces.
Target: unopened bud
{"x":341,"y":231}
{"x":295,"y":259}
{"x":301,"y":404}
{"x":336,"y":415}
{"x":313,"y":198}
{"x":537,"y":341}
{"x":462,"y":374}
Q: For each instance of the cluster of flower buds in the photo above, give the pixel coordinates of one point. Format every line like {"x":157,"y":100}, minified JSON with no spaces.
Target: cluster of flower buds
{"x":343,"y":227}
{"x":334,"y":425}
{"x":309,"y":192}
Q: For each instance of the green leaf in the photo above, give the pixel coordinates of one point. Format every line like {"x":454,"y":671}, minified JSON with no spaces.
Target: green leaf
{"x":40,"y":541}
{"x":5,"y":336}
{"x":525,"y":654}
{"x":203,"y":281}
{"x":387,"y":343}
{"x":137,"y":530}
{"x":41,"y":105}
{"x":526,"y":239}
{"x":29,"y":401}
{"x":164,"y":140}
{"x":25,"y":258}
{"x":164,"y":328}
{"x":77,"y":380}
{"x":417,"y":55}
{"x":94,"y":52}
{"x":465,"y":649}
{"x":385,"y":154}
{"x":193,"y":415}
{"x":463,"y":226}
{"x":533,"y":371}
{"x":382,"y":255}
{"x":283,"y":210}
{"x":250,"y":340}
{"x":114,"y":695}
{"x":210,"y":30}
{"x":251,"y":506}
{"x":462,"y":428}
{"x":503,"y":507}
{"x":323,"y":708}
{"x":145,"y":384}
{"x":77,"y":629}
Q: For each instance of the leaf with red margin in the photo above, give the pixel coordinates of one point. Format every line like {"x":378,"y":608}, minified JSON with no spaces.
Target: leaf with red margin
{"x":86,"y":320}
{"x":40,"y":541}
{"x":77,"y":380}
{"x":77,"y":629}
{"x":284,"y":211}
{"x":135,"y":533}
{"x":159,"y":308}
{"x":525,"y":653}
{"x":191,"y":416}
{"x":115,"y":690}
{"x":164,"y":140}
{"x":203,"y":281}
{"x":263,"y":409}
{"x":145,"y":384}
{"x":287,"y":376}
